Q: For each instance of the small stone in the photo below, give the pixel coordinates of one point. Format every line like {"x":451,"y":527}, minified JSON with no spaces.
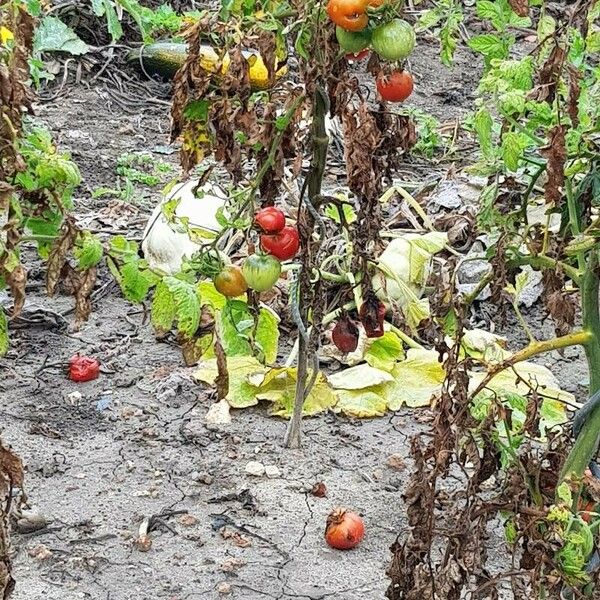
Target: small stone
{"x":395,"y":461}
{"x":377,"y":474}
{"x":224,"y":588}
{"x":188,"y":520}
{"x":74,"y":398}
{"x":149,"y":432}
{"x":205,"y":478}
{"x":255,"y":468}
{"x":232,"y":564}
{"x":218,"y":413}
{"x":39,"y":552}
{"x":271,"y":471}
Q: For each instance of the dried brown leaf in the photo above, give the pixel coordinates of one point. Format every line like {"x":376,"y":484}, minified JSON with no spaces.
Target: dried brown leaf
{"x":58,"y":256}
{"x":548,"y":76}
{"x":521,"y":7}
{"x":574,"y":93}
{"x":556,"y":154}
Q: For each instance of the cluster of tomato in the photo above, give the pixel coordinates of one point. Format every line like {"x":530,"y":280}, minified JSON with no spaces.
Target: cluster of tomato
{"x":260,"y":271}
{"x":391,"y":40}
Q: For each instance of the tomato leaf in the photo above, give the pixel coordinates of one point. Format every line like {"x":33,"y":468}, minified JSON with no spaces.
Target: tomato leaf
{"x":88,"y":251}
{"x":360,"y":404}
{"x":385,"y":351}
{"x":163,"y":310}
{"x":187,"y":304}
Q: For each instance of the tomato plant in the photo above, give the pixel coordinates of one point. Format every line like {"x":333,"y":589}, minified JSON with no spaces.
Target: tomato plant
{"x":348,"y":14}
{"x":283,"y":245}
{"x":261,"y":272}
{"x":394,"y":40}
{"x":396,"y":86}
{"x":270,"y":219}
{"x":230,"y":282}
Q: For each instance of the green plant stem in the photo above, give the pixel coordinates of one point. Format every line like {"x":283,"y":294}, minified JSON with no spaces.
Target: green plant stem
{"x":576,"y":338}
{"x":539,"y":261}
{"x":586,"y":443}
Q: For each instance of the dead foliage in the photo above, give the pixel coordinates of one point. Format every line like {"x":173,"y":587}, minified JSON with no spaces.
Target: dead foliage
{"x":11,"y":476}
{"x":556,"y":154}
{"x":521,"y":7}
{"x":549,"y":76}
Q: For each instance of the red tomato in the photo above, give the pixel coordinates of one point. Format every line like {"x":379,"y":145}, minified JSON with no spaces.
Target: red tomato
{"x":83,"y":368}
{"x":348,"y":14}
{"x":395,"y":87}
{"x":344,"y":530}
{"x":283,"y":245}
{"x":270,"y":219}
{"x":358,"y":56}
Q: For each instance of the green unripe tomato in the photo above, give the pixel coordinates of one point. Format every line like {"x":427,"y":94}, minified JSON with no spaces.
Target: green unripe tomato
{"x":394,"y":40}
{"x":353,"y":41}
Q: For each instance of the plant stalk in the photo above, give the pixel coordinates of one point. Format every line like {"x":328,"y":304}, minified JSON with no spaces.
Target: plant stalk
{"x":320,"y":142}
{"x":586,"y":444}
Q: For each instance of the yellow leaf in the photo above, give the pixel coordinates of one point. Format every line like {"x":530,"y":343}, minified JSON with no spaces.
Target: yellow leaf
{"x":6,"y":35}
{"x":360,"y":403}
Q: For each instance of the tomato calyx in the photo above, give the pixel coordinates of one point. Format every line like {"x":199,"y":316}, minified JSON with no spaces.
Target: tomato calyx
{"x":283,"y":245}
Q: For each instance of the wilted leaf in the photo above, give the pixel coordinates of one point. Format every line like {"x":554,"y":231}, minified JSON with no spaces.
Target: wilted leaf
{"x":241,"y":368}
{"x":521,"y":7}
{"x":360,"y":403}
{"x":556,"y":154}
{"x":358,"y":378}
{"x":279,"y":387}
{"x":163,"y":311}
{"x":416,"y":380}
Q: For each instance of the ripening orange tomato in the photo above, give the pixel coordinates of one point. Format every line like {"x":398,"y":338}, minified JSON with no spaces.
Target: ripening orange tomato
{"x":348,"y":14}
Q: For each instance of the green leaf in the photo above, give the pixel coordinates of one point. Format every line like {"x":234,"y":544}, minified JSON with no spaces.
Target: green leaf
{"x":210,"y":295}
{"x":267,"y":334}
{"x":360,"y":404}
{"x":491,"y":46}
{"x":122,"y":248}
{"x":4,"y":341}
{"x":240,"y":369}
{"x":163,"y":310}
{"x":52,"y":35}
{"x":134,"y":282}
{"x":385,"y":351}
{"x":513,"y":144}
{"x":98,"y":7}
{"x":187,"y":304}
{"x":348,"y":211}
{"x":88,"y":251}
{"x":564,"y":493}
{"x":112,"y":20}
{"x":483,"y":123}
